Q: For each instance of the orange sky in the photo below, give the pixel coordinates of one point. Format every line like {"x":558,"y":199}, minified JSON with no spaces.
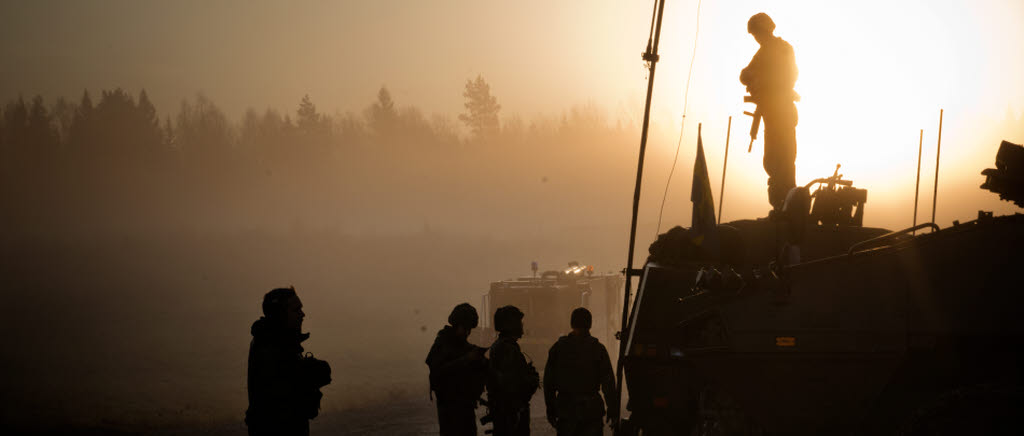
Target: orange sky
{"x":872,"y":72}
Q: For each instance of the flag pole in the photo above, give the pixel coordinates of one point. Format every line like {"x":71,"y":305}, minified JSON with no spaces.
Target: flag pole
{"x":725,"y":164}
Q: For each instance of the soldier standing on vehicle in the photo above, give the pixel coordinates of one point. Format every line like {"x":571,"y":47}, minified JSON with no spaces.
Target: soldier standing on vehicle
{"x":769,"y":79}
{"x":284,"y":386}
{"x":458,"y":372}
{"x":511,"y":380}
{"x":578,"y":366}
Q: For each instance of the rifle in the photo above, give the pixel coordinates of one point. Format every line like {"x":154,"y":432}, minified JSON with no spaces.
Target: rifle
{"x":755,"y":125}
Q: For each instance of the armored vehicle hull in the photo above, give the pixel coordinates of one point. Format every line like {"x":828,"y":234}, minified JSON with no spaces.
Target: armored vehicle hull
{"x":851,"y":340}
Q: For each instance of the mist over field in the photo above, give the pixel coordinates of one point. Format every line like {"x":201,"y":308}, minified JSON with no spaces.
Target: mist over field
{"x":139,"y":250}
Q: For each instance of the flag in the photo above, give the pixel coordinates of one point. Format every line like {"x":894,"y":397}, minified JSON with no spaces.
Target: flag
{"x":703,"y":229}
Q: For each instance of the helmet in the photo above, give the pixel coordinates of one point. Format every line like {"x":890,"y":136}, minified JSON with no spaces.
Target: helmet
{"x":759,"y":23}
{"x":506,"y":318}
{"x":463,"y":315}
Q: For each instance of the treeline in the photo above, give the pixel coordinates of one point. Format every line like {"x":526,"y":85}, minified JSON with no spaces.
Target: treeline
{"x":110,"y":160}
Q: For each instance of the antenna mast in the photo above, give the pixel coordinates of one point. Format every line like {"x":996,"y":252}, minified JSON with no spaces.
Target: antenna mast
{"x":651,"y":57}
{"x":938,"y":152}
{"x":725,"y":164}
{"x":917,"y":185}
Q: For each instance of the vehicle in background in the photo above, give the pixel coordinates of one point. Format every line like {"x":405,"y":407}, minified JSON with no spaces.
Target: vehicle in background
{"x":547,"y":300}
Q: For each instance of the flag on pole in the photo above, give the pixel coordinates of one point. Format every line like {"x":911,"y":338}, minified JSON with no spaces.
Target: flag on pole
{"x":703,"y":229}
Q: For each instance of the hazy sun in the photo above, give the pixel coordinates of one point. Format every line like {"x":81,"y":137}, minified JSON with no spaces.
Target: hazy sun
{"x":873,"y":74}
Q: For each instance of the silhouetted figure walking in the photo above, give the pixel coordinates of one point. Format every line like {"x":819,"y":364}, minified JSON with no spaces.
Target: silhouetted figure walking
{"x":578,"y":366}
{"x":284,"y":385}
{"x":458,"y":372}
{"x":770,"y":78}
{"x":511,"y":380}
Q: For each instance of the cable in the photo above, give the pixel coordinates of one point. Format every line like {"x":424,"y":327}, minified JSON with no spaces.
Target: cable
{"x":650,"y":35}
{"x":686,"y":99}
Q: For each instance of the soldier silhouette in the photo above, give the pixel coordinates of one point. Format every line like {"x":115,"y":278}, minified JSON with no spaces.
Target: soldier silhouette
{"x":458,"y":371}
{"x":284,"y":386}
{"x":578,"y":366}
{"x":511,"y":380}
{"x":769,"y":79}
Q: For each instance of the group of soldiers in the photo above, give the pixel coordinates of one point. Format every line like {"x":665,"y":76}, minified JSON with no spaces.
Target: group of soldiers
{"x":578,"y":366}
{"x":284,"y":382}
{"x":577,"y":372}
{"x":284,"y":385}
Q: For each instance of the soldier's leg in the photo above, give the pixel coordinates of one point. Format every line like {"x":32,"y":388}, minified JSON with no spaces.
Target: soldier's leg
{"x":566,"y":425}
{"x":511,"y":422}
{"x":581,"y":427}
{"x":780,"y":153}
{"x":456,"y":421}
{"x":444,"y":420}
{"x":502,"y":423}
{"x":466,"y":421}
{"x":779,"y":179}
{"x":524,"y":421}
{"x":592,"y":427}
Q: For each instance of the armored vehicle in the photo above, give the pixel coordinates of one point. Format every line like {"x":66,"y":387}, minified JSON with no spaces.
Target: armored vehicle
{"x":804,"y":325}
{"x":547,"y":300}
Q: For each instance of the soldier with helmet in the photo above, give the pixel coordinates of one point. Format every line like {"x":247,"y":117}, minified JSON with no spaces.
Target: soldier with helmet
{"x":512,"y":380}
{"x":769,"y":79}
{"x":458,"y":372}
{"x":578,"y":367}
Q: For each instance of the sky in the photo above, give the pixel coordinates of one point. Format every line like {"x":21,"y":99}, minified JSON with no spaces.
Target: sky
{"x":873,"y":73}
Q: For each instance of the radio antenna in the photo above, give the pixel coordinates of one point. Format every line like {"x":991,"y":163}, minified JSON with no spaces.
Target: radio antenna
{"x":651,"y":57}
{"x":917,"y":185}
{"x":725,"y":164}
{"x":938,"y":151}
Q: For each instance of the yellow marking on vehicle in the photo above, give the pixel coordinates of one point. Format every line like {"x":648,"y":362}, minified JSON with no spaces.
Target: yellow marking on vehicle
{"x":785,"y":341}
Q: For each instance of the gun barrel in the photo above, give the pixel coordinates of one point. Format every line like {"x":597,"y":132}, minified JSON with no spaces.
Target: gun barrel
{"x":755,"y":125}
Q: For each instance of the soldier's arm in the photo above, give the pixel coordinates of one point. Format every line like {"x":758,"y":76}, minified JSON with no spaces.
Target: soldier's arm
{"x":551,"y":377}
{"x":439,"y":360}
{"x":465,"y":362}
{"x":749,"y":73}
{"x":277,"y":377}
{"x":551,"y":385}
{"x":611,"y":400}
{"x":746,"y":76}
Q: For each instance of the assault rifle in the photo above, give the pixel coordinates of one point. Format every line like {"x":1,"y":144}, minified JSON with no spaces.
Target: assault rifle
{"x":755,"y":125}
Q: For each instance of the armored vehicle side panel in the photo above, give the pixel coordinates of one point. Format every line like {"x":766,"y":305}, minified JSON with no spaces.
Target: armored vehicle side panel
{"x":862,"y":340}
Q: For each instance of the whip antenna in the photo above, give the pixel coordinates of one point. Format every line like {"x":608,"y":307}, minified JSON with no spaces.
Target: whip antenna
{"x":651,"y":57}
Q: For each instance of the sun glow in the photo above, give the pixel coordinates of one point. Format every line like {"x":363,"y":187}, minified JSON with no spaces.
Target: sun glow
{"x":872,"y":75}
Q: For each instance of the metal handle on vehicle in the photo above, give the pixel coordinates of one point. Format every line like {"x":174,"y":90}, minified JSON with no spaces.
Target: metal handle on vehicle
{"x":854,"y":247}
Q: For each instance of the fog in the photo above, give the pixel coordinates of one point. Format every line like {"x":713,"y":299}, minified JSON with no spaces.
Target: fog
{"x":139,"y":254}
{"x":163,"y":166}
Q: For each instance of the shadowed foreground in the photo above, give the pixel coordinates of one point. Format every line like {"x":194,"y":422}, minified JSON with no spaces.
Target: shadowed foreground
{"x":147,"y":334}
